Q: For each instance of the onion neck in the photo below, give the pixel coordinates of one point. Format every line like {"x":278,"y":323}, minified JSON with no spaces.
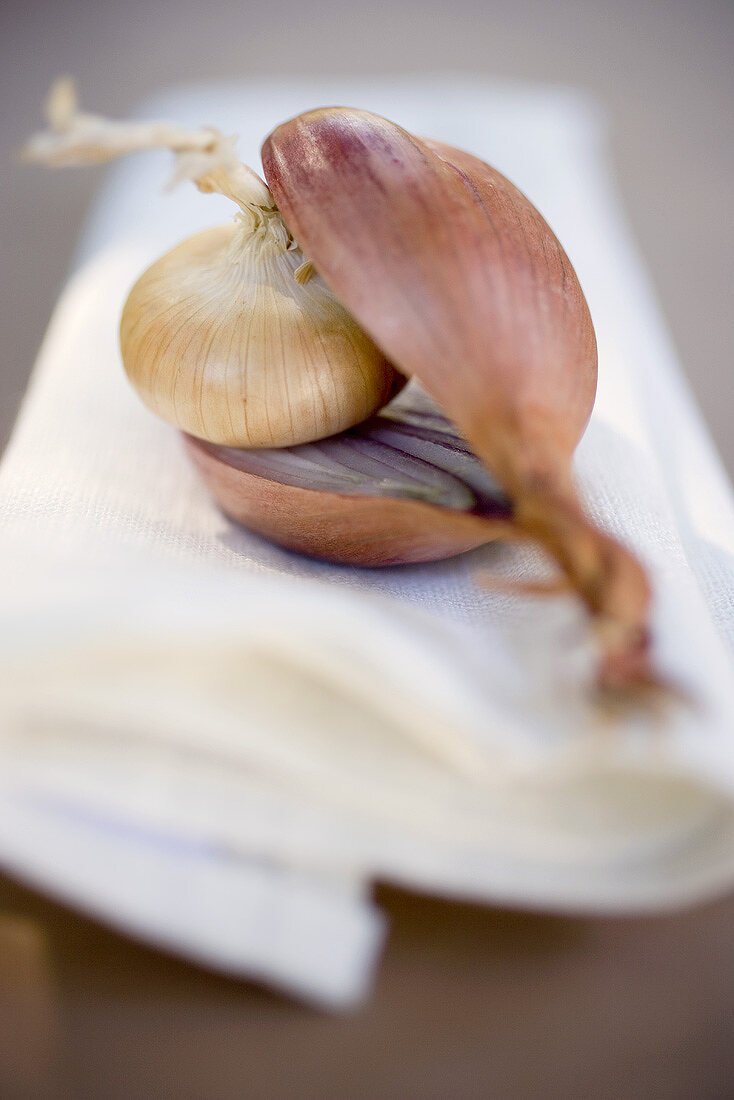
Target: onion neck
{"x":204,"y":156}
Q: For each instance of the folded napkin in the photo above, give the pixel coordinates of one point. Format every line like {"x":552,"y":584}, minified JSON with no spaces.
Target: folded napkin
{"x":218,"y":745}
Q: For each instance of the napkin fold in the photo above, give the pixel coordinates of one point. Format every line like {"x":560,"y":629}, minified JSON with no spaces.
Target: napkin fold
{"x":219,"y":745}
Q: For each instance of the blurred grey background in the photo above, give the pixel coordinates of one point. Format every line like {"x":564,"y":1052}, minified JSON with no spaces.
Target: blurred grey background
{"x":663,"y":69}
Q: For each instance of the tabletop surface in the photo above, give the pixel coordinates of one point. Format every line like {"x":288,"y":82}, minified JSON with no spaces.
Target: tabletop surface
{"x":470,"y":1002}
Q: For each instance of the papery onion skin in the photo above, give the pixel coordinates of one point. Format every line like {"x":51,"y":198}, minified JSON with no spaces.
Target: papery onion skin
{"x":231,"y":336}
{"x":219,"y":338}
{"x":458,"y":278}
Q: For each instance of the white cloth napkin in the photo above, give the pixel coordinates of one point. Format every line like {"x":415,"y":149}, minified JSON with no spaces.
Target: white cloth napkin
{"x":218,"y":745}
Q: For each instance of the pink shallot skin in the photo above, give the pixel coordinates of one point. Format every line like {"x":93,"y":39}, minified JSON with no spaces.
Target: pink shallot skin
{"x":461,"y":282}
